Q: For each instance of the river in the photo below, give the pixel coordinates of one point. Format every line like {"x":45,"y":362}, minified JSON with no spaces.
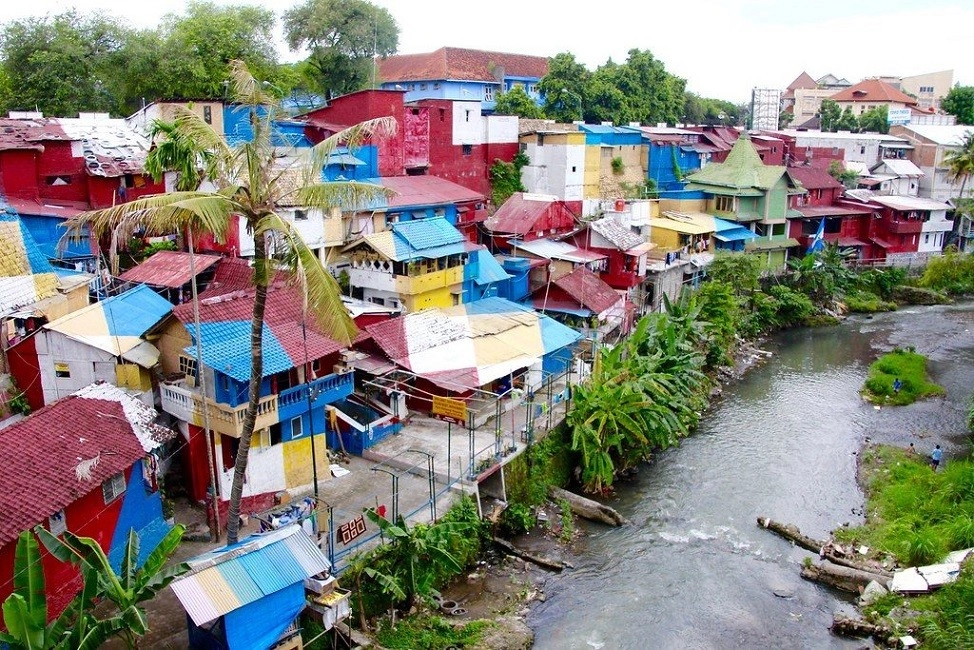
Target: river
{"x":694,"y":570}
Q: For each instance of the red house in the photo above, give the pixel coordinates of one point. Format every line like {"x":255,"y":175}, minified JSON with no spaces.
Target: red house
{"x":581,"y":297}
{"x":625,"y":251}
{"x":53,"y":168}
{"x":448,"y":139}
{"x":86,"y":464}
{"x":902,"y":224}
{"x":845,"y":225}
{"x":528,"y":217}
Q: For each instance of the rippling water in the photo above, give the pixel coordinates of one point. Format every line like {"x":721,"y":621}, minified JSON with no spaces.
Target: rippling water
{"x":694,"y":570}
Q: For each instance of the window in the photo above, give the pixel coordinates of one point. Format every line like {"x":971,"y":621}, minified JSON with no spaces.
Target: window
{"x":296,"y":428}
{"x":467,"y":149}
{"x":442,"y":114}
{"x":62,"y":370}
{"x":488,"y":93}
{"x":113,"y":487}
{"x":316,"y":368}
{"x":862,"y":150}
{"x":573,"y":168}
{"x":532,"y":89}
{"x":467,"y":116}
{"x":436,"y":85}
{"x":57,"y":524}
{"x":208,"y":114}
{"x":57,"y":180}
{"x":422,"y":86}
{"x":926,"y":238}
{"x":724,"y":203}
{"x":300,"y":215}
{"x":187,"y":366}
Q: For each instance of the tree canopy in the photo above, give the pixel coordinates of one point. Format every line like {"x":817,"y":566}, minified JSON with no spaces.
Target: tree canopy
{"x":343,"y":36}
{"x":517,"y":102}
{"x":959,"y":102}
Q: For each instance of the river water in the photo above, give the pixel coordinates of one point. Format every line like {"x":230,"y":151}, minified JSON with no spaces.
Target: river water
{"x":694,"y":570}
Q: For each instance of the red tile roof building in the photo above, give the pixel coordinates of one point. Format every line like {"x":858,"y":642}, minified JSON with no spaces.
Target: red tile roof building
{"x":454,"y":63}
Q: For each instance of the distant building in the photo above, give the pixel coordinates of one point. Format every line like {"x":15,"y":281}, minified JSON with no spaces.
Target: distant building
{"x":461,"y":74}
{"x":765,"y":108}
{"x":872,"y":93}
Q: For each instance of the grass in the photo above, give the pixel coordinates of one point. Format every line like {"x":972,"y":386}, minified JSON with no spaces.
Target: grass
{"x":917,"y":516}
{"x":910,"y":368}
{"x":865,"y":302}
{"x":431,"y":633}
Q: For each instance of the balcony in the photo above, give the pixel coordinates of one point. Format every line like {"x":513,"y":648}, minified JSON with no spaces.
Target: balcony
{"x":909,"y":227}
{"x":293,"y":402}
{"x":187,"y":405}
{"x":414,"y":285}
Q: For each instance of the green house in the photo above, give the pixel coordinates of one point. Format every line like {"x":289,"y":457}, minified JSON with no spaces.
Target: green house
{"x":745,"y":190}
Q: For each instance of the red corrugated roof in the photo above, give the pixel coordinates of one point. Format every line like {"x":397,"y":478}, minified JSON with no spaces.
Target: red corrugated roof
{"x":588,"y":289}
{"x":39,"y":454}
{"x":390,"y":335}
{"x":426,"y":190}
{"x":872,"y":90}
{"x":232,"y":274}
{"x":460,"y":64}
{"x":814,"y":178}
{"x":518,"y":215}
{"x":48,"y":208}
{"x":168,"y":269}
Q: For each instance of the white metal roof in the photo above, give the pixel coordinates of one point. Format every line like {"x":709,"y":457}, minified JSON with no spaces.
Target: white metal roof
{"x":910,"y":203}
{"x":952,"y":135}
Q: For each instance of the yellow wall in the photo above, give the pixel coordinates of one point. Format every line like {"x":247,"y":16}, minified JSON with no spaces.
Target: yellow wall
{"x":441,"y":297}
{"x":130,"y":375}
{"x":666,"y":240}
{"x":298,"y":469}
{"x":171,"y":342}
{"x":593,"y":162}
{"x":683,"y":205}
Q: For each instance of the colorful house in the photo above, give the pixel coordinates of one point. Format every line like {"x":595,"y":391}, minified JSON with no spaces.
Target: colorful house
{"x":106,"y":341}
{"x":88,"y":464}
{"x":625,"y":250}
{"x":845,"y":226}
{"x":614,"y":160}
{"x":527,"y":217}
{"x":415,"y":264}
{"x":249,"y":595}
{"x":299,"y":382}
{"x":745,"y":190}
{"x":557,"y":163}
{"x":903,"y":225}
{"x":32,"y":291}
{"x":462,"y":74}
{"x":673,"y":154}
{"x":582,"y":301}
{"x":51,"y":169}
{"x":481,"y":345}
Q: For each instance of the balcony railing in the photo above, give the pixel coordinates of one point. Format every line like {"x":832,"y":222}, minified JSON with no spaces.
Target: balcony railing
{"x":321,"y":392}
{"x":906,"y":227}
{"x":413,"y":285}
{"x":187,"y":405}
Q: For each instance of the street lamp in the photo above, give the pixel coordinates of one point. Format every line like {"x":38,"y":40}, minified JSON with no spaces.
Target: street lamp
{"x":581,"y":115}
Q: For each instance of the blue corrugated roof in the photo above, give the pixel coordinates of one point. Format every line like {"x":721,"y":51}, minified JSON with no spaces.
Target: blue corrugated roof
{"x":226,"y":347}
{"x":555,"y":336}
{"x":729,"y":231}
{"x":489,"y":270}
{"x":37,"y":261}
{"x":134,"y":312}
{"x":427,"y":233}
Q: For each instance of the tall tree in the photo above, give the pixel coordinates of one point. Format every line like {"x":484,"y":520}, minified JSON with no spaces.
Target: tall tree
{"x":847,"y":121}
{"x":61,"y":64}
{"x":959,"y":102}
{"x":517,"y":102}
{"x":564,"y":88}
{"x":875,"y":120}
{"x":343,"y":37}
{"x":829,"y":113}
{"x":653,"y":94}
{"x":252,"y":180}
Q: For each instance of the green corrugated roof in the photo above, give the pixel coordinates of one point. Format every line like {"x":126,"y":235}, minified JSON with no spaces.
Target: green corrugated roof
{"x":742,"y":170}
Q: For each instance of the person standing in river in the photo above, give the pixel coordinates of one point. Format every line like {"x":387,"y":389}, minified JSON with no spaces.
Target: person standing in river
{"x":935,"y":457}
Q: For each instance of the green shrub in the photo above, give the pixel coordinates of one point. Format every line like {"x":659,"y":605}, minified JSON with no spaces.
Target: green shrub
{"x":866,"y":302}
{"x":431,"y":633}
{"x":516,"y":519}
{"x":618,"y":166}
{"x":881,"y":282}
{"x":907,"y":366}
{"x":793,"y":307}
{"x":953,"y":274}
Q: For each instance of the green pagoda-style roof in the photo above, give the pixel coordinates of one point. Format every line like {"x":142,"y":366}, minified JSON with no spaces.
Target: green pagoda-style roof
{"x":740,"y":174}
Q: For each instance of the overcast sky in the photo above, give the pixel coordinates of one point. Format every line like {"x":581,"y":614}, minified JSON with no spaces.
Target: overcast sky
{"x":723,"y":48}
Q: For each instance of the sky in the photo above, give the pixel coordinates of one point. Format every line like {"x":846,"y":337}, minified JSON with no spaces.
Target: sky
{"x":723,"y":48}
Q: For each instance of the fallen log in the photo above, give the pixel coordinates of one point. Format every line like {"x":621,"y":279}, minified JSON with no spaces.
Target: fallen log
{"x":792,"y":534}
{"x":854,"y":627}
{"x":834,"y":557}
{"x":841,"y":577}
{"x":587,"y":508}
{"x":544,"y":563}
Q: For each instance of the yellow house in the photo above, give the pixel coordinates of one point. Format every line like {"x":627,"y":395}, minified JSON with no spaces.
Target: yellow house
{"x":414,"y":265}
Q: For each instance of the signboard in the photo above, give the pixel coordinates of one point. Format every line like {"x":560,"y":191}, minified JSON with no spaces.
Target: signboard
{"x":348,"y":531}
{"x":899,"y":115}
{"x":450,"y":410}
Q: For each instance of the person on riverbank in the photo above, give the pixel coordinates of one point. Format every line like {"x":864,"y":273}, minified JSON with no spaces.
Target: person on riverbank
{"x":935,"y":457}
{"x":911,"y":450}
{"x":897,"y":385}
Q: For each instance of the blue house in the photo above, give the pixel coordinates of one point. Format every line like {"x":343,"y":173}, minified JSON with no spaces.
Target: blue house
{"x":672,"y":154}
{"x":247,"y":596}
{"x":462,"y":75}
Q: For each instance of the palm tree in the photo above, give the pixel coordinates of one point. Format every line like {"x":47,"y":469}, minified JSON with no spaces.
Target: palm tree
{"x":252,"y":179}
{"x":960,"y":165}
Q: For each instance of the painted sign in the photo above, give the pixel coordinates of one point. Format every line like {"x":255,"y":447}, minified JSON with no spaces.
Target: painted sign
{"x":899,"y":115}
{"x":449,"y":410}
{"x":348,"y":531}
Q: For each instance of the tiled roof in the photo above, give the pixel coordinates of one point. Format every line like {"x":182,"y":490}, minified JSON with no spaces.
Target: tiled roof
{"x":225,"y":329}
{"x":110,"y":147}
{"x":619,"y":234}
{"x":872,"y":90}
{"x":813,"y":178}
{"x":742,"y":170}
{"x":40,"y":455}
{"x":804,"y":81}
{"x":588,"y":289}
{"x":168,"y":269}
{"x":458,"y":64}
